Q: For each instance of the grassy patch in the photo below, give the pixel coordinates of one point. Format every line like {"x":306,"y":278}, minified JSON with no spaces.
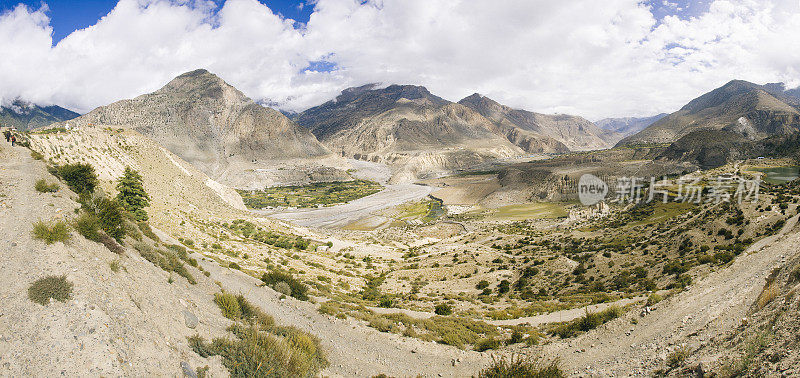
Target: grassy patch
{"x":535,"y":210}
{"x":167,"y":260}
{"x":259,"y":347}
{"x":451,"y":330}
{"x":286,"y":283}
{"x":585,"y":323}
{"x":521,"y":367}
{"x":42,"y":186}
{"x":56,"y":287}
{"x":50,"y":233}
{"x":325,"y":194}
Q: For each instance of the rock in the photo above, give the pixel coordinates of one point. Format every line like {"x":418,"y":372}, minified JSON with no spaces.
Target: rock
{"x":187,"y":370}
{"x":190,"y":319}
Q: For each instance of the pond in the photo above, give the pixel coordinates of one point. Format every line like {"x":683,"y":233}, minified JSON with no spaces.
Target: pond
{"x":778,"y":175}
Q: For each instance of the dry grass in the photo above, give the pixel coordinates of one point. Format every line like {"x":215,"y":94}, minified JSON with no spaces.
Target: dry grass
{"x":52,"y":232}
{"x":769,"y":293}
{"x":42,"y":186}
{"x":260,"y":348}
{"x":521,"y":367}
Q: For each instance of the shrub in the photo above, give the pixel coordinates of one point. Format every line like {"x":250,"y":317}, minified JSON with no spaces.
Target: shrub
{"x":80,"y":177}
{"x":443,"y":309}
{"x":521,"y":367}
{"x":285,"y":352}
{"x":589,"y":321}
{"x":165,"y":260}
{"x":110,"y":243}
{"x":677,"y":357}
{"x":487,"y":344}
{"x":298,"y":289}
{"x":110,"y":214}
{"x":37,"y":155}
{"x":653,"y":299}
{"x":88,"y":226}
{"x":56,"y":287}
{"x":147,"y":231}
{"x":386,"y":302}
{"x":50,"y":233}
{"x":260,"y":348}
{"x":229,"y":305}
{"x":43,"y":187}
{"x":283,"y":288}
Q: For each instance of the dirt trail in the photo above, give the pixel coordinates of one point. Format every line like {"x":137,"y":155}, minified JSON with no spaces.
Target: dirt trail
{"x":700,"y":315}
{"x":564,"y":315}
{"x":354,"y":349}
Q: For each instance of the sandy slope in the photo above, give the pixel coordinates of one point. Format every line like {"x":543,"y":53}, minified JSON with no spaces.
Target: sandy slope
{"x":700,"y":315}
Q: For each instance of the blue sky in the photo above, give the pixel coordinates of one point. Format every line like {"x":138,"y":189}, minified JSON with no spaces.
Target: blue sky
{"x":67,"y":16}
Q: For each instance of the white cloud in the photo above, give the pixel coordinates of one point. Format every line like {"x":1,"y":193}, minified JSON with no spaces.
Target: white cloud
{"x":591,"y":58}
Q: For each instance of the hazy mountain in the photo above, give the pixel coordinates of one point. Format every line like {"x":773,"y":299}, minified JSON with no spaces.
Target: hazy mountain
{"x":211,"y":125}
{"x":24,"y":115}
{"x":628,"y":125}
{"x":573,"y":132}
{"x":751,"y":110}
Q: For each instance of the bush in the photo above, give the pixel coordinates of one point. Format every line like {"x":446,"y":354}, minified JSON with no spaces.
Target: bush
{"x":487,"y":344}
{"x":166,"y":260}
{"x":111,"y":244}
{"x":80,"y":177}
{"x":260,"y":348}
{"x":43,"y":187}
{"x":56,"y":287}
{"x":50,"y":233}
{"x":589,"y":321}
{"x":677,"y":357}
{"x":521,"y":367}
{"x":88,"y":226}
{"x":283,"y":352}
{"x":110,"y":214}
{"x":147,"y":231}
{"x":229,"y":306}
{"x":298,"y":289}
{"x":653,"y":299}
{"x":443,"y":309}
{"x":37,"y":155}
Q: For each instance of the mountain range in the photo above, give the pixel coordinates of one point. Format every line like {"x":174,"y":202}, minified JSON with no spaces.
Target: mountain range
{"x":626,"y":126}
{"x":750,"y":110}
{"x":23,"y":115}
{"x":210,"y":124}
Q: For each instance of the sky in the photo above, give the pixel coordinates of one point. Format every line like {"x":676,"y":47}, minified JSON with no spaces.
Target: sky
{"x":596,"y":59}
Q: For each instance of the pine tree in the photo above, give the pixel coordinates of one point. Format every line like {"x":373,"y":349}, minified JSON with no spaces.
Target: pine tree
{"x":132,"y":195}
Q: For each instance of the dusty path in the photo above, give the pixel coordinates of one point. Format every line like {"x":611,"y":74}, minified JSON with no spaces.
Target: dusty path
{"x":354,"y":349}
{"x":564,"y":315}
{"x":341,"y":215}
{"x":705,"y":312}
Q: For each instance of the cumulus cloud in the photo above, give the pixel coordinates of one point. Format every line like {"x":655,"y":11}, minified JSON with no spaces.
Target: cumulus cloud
{"x":595,"y":59}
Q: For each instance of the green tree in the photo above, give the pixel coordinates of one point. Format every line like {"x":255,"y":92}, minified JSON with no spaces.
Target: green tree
{"x":132,"y":195}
